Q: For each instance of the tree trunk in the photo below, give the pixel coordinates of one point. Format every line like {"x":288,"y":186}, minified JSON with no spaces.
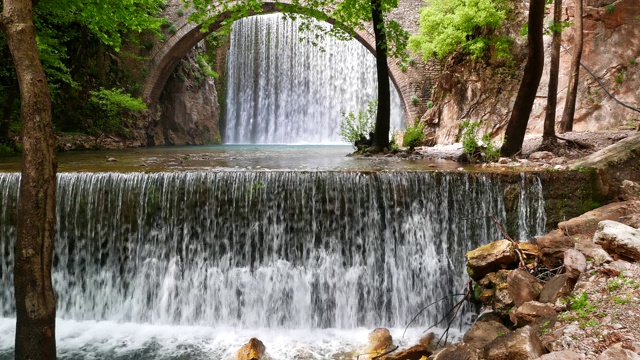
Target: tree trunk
{"x":566,"y":124}
{"x":381,"y":132}
{"x":35,"y":300}
{"x":517,"y":126}
{"x":549,"y":131}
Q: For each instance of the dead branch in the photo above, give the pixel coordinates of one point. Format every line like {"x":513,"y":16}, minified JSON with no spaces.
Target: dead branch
{"x":515,"y":242}
{"x":424,"y":308}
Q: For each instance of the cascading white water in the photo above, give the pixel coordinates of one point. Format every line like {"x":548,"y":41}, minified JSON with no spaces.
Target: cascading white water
{"x":281,"y":90}
{"x":251,"y":250}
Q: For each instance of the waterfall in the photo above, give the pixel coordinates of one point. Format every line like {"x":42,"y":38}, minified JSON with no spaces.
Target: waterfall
{"x":281,"y":90}
{"x":260,"y":249}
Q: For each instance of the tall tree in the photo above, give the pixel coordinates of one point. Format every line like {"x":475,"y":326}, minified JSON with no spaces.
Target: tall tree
{"x":35,"y":299}
{"x":566,"y":124}
{"x":517,"y":126}
{"x":549,"y":131}
{"x":382,"y":127}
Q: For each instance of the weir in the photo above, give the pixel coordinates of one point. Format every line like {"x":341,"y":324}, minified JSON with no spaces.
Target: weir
{"x":264,"y":249}
{"x":281,"y":90}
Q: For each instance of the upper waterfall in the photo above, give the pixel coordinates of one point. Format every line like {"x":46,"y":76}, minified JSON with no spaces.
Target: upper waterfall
{"x":281,"y":90}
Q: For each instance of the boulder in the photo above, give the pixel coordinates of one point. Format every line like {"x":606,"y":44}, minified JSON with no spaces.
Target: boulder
{"x":619,"y":239}
{"x":557,"y":287}
{"x":483,"y":332}
{"x":541,"y":156}
{"x":574,"y":263}
{"x":562,"y":355}
{"x":529,"y":312}
{"x":458,"y":352}
{"x":491,"y":257}
{"x":616,"y":268}
{"x":629,"y":190}
{"x":552,"y":247}
{"x":495,"y":292}
{"x":594,"y":252}
{"x":252,"y":350}
{"x":380,"y":341}
{"x":523,"y":287}
{"x":587,"y":223}
{"x":530,"y":254}
{"x":416,"y":352}
{"x":617,"y":352}
{"x":522,"y":344}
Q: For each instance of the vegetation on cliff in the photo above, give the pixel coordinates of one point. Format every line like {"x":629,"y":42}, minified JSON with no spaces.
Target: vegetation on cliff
{"x":81,"y":71}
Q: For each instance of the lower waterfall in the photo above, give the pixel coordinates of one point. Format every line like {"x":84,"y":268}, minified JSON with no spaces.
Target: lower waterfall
{"x":264,"y":249}
{"x":281,"y":90}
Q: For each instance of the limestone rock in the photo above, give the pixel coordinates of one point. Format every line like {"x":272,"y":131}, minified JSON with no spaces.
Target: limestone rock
{"x":629,"y":190}
{"x":458,"y":352}
{"x":574,"y":263}
{"x":530,"y":254}
{"x":618,"y":238}
{"x":562,"y":355}
{"x":541,"y":156}
{"x":552,"y":247}
{"x":416,"y":352}
{"x":529,"y":312}
{"x":379,"y":341}
{"x":495,"y":292}
{"x":587,"y":223}
{"x":557,"y":287}
{"x":491,"y":257}
{"x":616,"y":267}
{"x":523,"y":287}
{"x":617,"y":352}
{"x":522,"y":344}
{"x":483,"y":332}
{"x":252,"y":350}
{"x":594,"y":252}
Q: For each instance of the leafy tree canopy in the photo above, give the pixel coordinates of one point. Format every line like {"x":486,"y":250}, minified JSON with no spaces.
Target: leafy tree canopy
{"x":450,"y":25}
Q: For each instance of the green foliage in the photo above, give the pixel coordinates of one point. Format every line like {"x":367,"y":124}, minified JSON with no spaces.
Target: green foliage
{"x":115,"y":110}
{"x":413,"y":135}
{"x":610,"y":8}
{"x":620,"y":77}
{"x":447,"y":26}
{"x":108,"y":20}
{"x":358,"y":127}
{"x":477,"y":148}
{"x":415,"y":100}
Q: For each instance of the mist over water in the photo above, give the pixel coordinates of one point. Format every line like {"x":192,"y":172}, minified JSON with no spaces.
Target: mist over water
{"x":281,"y":90}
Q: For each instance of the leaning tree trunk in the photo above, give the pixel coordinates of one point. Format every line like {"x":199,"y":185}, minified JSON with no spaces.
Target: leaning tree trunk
{"x":517,"y":126}
{"x":381,"y":132}
{"x":549,"y":131}
{"x":566,"y":124}
{"x":35,"y":299}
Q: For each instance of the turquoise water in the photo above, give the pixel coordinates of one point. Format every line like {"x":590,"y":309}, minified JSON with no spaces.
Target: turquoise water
{"x":232,"y":157}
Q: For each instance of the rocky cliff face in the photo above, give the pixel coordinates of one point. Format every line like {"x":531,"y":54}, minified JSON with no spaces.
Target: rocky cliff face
{"x":611,"y":51}
{"x":188,"y":108}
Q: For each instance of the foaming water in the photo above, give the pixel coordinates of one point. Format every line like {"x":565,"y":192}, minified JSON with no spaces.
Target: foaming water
{"x":145,"y":261}
{"x":79,"y":340}
{"x":281,"y":90}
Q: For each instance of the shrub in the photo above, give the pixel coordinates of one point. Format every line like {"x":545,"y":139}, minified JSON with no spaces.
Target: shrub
{"x":113,"y":110}
{"x":475,"y":148}
{"x":354,"y":127}
{"x":450,"y":25}
{"x":413,"y":135}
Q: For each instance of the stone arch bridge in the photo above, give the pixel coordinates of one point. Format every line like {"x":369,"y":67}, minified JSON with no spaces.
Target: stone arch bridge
{"x":412,"y":84}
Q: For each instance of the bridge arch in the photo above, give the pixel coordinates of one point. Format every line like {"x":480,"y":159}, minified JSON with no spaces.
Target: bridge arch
{"x":164,"y":59}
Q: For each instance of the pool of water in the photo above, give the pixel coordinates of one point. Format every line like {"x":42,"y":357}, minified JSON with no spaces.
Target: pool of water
{"x":232,"y":157}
